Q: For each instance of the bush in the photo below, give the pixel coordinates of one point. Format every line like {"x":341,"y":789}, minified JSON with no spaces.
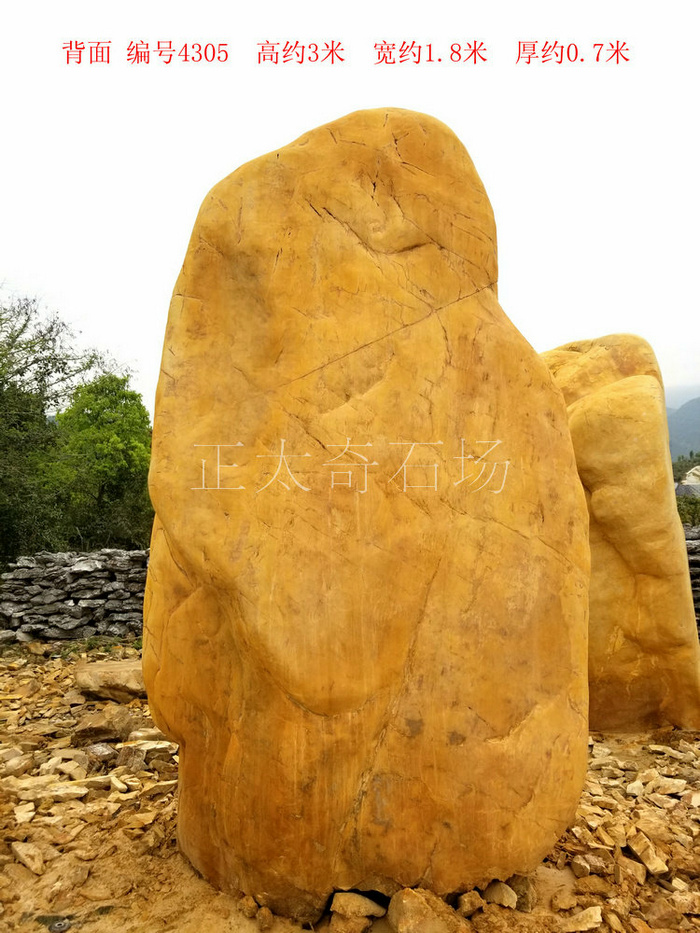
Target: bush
{"x":689,"y":509}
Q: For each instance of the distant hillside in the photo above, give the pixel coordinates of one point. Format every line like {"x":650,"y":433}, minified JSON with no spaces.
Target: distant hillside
{"x":684,"y":428}
{"x":679,"y":395}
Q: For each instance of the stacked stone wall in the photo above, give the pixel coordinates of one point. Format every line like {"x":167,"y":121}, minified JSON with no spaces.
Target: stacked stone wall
{"x":71,"y":595}
{"x":63,"y":596}
{"x":692,"y":542}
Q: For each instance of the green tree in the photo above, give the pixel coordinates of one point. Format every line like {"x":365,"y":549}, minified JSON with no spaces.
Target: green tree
{"x":105,"y":444}
{"x":27,"y":505}
{"x":38,"y":353}
{"x":39,"y":366}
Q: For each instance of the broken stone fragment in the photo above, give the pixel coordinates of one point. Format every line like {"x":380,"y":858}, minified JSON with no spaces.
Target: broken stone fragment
{"x":646,"y":853}
{"x":16,"y":766}
{"x":662,"y":913}
{"x":350,"y":904}
{"x":110,"y":723}
{"x":27,"y":787}
{"x":563,"y":900}
{"x":132,"y":758}
{"x":120,"y":786}
{"x":669,"y":786}
{"x":342,"y":291}
{"x":603,"y":764}
{"x":24,"y":813}
{"x":72,"y":769}
{"x":594,"y":884}
{"x":420,"y":911}
{"x":264,"y":919}
{"x":616,"y":833}
{"x":662,"y":801}
{"x":341,"y":924}
{"x":61,"y":791}
{"x":146,"y":735}
{"x":29,"y":855}
{"x":248,"y":906}
{"x":639,"y":926}
{"x":687,"y":755}
{"x":604,"y":802}
{"x":627,"y":866}
{"x":469,"y":903}
{"x":580,"y":866}
{"x":588,"y":919}
{"x":159,"y":788}
{"x":613,"y":921}
{"x":500,"y":893}
{"x":94,"y":891}
{"x":687,"y":902}
{"x":113,"y":680}
{"x":138,"y":820}
{"x":65,"y":875}
{"x":50,"y":766}
{"x":648,"y":776}
{"x":100,"y":752}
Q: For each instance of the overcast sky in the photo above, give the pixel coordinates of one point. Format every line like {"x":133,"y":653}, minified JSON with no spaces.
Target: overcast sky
{"x":591,"y":167}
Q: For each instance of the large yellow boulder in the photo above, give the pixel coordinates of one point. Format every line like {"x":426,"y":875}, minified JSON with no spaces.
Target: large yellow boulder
{"x":373,"y":657}
{"x":644,"y":656}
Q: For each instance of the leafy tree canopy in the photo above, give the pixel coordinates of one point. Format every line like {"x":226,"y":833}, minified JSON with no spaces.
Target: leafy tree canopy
{"x":689,"y":509}
{"x":76,"y":479}
{"x":105,"y":438}
{"x":38,"y":354}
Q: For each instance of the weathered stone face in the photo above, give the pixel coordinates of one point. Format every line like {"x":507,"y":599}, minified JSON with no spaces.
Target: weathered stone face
{"x":377,"y":672}
{"x":644,"y":657}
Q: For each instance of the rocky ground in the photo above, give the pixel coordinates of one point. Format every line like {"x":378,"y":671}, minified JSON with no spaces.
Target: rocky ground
{"x":88,"y":806}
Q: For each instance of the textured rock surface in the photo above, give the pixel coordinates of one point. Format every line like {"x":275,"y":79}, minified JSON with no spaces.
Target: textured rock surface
{"x":644,"y":657}
{"x":421,"y":911}
{"x":372,"y":689}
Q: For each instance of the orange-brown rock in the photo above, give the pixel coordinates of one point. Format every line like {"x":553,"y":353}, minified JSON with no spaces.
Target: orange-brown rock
{"x":373,"y":657}
{"x":121,"y":681}
{"x":644,"y":657}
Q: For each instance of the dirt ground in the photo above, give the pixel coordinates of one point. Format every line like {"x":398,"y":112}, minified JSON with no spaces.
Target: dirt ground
{"x":88,"y":811}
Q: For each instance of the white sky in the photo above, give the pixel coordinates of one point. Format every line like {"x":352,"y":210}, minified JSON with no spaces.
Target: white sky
{"x":592,"y":169}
